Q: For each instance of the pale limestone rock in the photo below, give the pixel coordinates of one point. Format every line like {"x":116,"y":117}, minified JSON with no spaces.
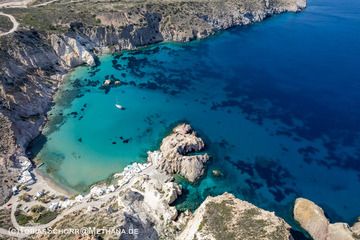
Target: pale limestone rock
{"x":356,"y":228}
{"x":71,"y":51}
{"x":312,"y":218}
{"x":172,"y":191}
{"x":226,"y":217}
{"x":145,"y":203}
{"x":173,"y":158}
{"x":339,"y":231}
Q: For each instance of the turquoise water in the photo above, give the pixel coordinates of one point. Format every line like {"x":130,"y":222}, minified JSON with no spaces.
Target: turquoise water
{"x":277,"y":104}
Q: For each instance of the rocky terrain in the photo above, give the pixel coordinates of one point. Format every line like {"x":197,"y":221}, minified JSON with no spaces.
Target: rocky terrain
{"x":312,"y":218}
{"x":226,"y":217}
{"x":138,"y":205}
{"x":173,"y":155}
{"x":56,"y":36}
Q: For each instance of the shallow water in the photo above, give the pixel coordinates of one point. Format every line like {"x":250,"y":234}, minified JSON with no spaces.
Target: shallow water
{"x":278,"y":104}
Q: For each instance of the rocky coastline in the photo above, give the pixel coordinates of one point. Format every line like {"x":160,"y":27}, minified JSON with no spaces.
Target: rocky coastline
{"x":33,"y":61}
{"x":140,"y":198}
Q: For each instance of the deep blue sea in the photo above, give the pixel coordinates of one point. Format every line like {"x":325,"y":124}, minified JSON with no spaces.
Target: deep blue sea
{"x":278,"y":104}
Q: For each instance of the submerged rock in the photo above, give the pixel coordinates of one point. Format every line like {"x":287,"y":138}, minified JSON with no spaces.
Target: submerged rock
{"x":217,"y":173}
{"x":226,"y":217}
{"x":312,"y":218}
{"x":174,"y":157}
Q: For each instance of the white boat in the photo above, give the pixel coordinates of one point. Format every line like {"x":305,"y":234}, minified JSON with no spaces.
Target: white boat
{"x":119,"y":107}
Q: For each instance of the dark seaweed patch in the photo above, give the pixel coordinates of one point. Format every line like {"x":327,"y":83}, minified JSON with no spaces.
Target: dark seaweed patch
{"x":275,"y":177}
{"x":243,"y":166}
{"x":93,"y":72}
{"x":307,"y":153}
{"x":253,"y":184}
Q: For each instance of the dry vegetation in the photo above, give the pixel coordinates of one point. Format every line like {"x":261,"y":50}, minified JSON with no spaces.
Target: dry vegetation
{"x":5,"y":219}
{"x":57,"y":15}
{"x":5,"y":24}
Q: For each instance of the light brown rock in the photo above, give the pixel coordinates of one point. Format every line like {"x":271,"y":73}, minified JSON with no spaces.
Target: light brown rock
{"x":340,"y":231}
{"x":312,"y":218}
{"x":175,"y":154}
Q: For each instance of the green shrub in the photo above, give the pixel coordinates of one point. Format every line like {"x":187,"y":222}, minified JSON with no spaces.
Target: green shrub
{"x":22,"y":218}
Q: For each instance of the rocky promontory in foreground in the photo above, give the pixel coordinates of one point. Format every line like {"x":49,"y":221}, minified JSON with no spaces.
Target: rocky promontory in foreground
{"x":226,"y":217}
{"x":56,"y":36}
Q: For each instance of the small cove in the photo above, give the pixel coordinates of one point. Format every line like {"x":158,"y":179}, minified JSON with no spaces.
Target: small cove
{"x":278,"y":111}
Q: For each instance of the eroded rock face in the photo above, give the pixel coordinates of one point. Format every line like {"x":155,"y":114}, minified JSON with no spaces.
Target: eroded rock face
{"x":312,"y":218}
{"x":148,"y":202}
{"x":226,"y":217}
{"x":73,"y":51}
{"x":7,"y":148}
{"x":356,"y":228}
{"x":175,"y":154}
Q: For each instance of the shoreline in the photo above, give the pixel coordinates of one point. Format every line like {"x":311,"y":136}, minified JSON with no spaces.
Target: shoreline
{"x":52,"y":184}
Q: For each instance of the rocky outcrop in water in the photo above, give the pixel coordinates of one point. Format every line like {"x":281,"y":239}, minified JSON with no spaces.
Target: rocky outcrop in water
{"x":226,"y":217}
{"x":178,"y":154}
{"x":312,"y":218}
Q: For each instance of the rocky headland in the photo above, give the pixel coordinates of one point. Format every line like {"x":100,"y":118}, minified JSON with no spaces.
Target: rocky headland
{"x":312,"y":218}
{"x":226,"y":217}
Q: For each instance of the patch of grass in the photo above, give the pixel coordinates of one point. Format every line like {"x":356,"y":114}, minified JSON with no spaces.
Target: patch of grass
{"x":41,"y":215}
{"x":223,"y":222}
{"x":52,"y":18}
{"x":5,"y":24}
{"x":22,"y":218}
{"x":46,"y":217}
{"x":215,"y":220}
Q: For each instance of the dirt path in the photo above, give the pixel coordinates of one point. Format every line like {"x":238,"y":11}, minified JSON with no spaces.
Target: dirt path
{"x":16,"y":4}
{"x":44,"y":4}
{"x":14,"y":22}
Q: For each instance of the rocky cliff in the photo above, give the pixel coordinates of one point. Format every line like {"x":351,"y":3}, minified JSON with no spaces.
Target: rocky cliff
{"x":56,"y":37}
{"x":226,"y":217}
{"x":312,"y":218}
